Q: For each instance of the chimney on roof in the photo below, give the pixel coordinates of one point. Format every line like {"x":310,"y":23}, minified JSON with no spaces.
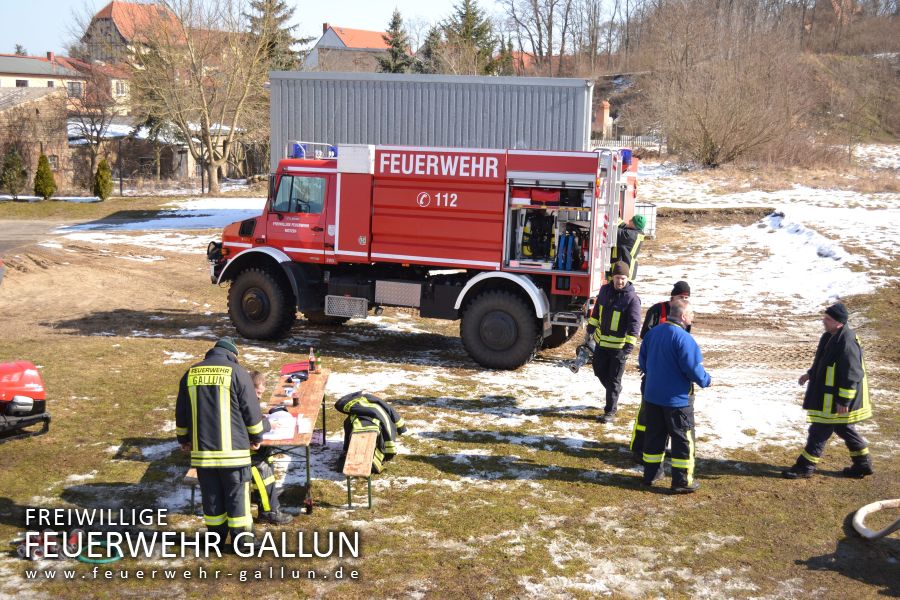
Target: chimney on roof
{"x":50,"y":56}
{"x":325,"y":27}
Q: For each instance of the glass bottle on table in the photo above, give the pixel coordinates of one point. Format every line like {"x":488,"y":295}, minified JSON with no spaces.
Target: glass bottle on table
{"x":312,"y":361}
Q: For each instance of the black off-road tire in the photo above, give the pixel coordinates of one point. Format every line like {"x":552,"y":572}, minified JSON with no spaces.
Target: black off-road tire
{"x":261,"y":305}
{"x":559,"y":336}
{"x":320,"y":318}
{"x":499,"y":330}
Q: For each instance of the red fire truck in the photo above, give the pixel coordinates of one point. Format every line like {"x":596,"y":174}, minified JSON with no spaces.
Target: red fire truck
{"x":514,"y":243}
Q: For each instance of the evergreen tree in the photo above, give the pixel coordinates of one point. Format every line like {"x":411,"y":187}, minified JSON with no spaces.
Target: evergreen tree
{"x":398,"y":59}
{"x":103,"y":183}
{"x":268,"y":15}
{"x":505,"y":62}
{"x":428,"y":58}
{"x":471,"y":38}
{"x":44,"y":184}
{"x":20,"y":50}
{"x":14,"y":176}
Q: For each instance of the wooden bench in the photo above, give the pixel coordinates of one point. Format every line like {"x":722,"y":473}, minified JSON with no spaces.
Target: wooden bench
{"x":358,"y":462}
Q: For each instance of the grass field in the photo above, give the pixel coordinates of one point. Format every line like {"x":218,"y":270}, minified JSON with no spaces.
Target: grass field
{"x":506,"y":484}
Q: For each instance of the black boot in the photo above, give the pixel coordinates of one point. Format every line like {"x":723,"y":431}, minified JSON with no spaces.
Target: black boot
{"x":861,"y":467}
{"x":275,"y":517}
{"x":802,"y":469}
{"x":685,"y":487}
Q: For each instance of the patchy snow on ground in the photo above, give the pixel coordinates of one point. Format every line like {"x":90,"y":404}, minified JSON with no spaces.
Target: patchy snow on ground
{"x":878,"y":156}
{"x":811,"y":251}
{"x":176,"y":358}
{"x":159,"y":451}
{"x":171,"y":242}
{"x":77,"y":199}
{"x":178,"y":188}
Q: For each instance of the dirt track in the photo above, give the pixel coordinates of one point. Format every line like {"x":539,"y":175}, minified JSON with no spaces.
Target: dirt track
{"x":17,"y":234}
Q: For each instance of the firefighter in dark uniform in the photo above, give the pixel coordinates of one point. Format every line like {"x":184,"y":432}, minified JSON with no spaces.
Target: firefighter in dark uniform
{"x":613,"y":326}
{"x":656,"y":314}
{"x":837,"y":397}
{"x":629,"y":236}
{"x":217,"y":419}
{"x":263,"y":488}
{"x":674,"y":364}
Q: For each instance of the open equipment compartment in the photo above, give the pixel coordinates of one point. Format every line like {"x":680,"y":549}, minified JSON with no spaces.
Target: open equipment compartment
{"x":549,"y":225}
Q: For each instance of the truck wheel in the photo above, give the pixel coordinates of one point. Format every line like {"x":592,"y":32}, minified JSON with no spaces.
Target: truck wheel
{"x":499,"y":330}
{"x":559,"y":336}
{"x":260,"y":306}
{"x":320,"y":318}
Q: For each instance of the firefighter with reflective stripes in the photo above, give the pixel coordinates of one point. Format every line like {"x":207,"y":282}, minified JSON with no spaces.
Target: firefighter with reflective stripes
{"x":613,"y":328}
{"x":218,"y":420}
{"x":673,"y":363}
{"x":837,"y":397}
{"x":263,"y":486}
{"x":656,"y":314}
{"x":629,"y":236}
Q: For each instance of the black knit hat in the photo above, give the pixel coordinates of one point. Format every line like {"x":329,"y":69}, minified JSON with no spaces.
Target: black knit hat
{"x":620,"y":268}
{"x":228,"y":344}
{"x":838,"y":312}
{"x":681,"y":288}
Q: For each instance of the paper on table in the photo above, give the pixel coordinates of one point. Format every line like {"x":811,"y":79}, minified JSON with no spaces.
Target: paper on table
{"x":283,"y":424}
{"x":304,"y":425}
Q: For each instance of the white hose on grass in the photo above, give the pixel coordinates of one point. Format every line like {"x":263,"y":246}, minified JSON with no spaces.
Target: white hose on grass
{"x":859,"y":519}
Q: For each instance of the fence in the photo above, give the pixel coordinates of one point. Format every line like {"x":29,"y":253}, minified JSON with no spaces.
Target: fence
{"x":630,"y":141}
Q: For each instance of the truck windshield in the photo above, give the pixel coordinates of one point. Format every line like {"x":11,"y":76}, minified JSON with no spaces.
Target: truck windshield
{"x":300,"y":194}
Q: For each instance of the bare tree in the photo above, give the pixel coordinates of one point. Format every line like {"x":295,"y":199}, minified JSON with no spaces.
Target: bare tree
{"x":204,"y":71}
{"x":541,"y":27}
{"x":92,"y":109}
{"x":721,"y":88}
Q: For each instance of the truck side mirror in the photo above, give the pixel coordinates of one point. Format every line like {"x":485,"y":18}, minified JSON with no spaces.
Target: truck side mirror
{"x":271,"y":186}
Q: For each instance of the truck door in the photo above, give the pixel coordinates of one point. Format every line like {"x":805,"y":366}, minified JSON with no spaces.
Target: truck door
{"x":296,"y":216}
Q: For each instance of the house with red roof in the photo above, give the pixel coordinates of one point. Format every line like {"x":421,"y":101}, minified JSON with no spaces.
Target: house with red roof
{"x":345,"y":49}
{"x":118,"y":29}
{"x":49,"y":71}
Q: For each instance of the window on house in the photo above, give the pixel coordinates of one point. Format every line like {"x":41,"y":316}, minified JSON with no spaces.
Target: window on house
{"x":121,"y":88}
{"x":74,"y":88}
{"x":21,"y":83}
{"x":54,"y":162}
{"x":50,"y":84}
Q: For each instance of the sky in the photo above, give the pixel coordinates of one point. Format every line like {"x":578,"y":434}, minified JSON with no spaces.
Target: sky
{"x":44,"y":25}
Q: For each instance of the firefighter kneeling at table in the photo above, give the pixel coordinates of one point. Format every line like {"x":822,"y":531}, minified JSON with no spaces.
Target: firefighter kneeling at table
{"x":263,"y":490}
{"x":218,"y":420}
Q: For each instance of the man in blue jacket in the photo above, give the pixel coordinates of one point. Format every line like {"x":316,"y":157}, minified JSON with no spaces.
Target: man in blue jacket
{"x":673,"y":363}
{"x":613,"y":327}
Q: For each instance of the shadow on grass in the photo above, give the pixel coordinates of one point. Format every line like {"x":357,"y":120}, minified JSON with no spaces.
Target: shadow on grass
{"x":12,"y":514}
{"x":514,"y":468}
{"x":356,"y":341}
{"x":162,"y":482}
{"x":503,"y":407}
{"x":873,"y":562}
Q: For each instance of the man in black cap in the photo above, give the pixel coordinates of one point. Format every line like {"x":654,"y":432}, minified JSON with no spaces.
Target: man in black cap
{"x":218,"y":420}
{"x":837,"y":397}
{"x":613,"y":327}
{"x":656,"y":314}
